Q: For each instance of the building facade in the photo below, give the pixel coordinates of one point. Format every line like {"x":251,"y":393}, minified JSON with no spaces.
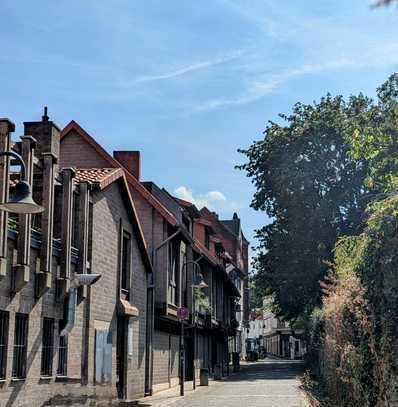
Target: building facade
{"x":64,"y":341}
{"x":280,"y":339}
{"x":91,"y":289}
{"x":235,"y":253}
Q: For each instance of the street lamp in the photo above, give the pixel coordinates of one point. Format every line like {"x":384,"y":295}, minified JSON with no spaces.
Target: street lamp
{"x":22,"y":201}
{"x":198,"y":283}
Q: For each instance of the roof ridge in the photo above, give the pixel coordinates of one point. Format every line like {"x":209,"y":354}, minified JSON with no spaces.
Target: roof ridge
{"x":72,"y":125}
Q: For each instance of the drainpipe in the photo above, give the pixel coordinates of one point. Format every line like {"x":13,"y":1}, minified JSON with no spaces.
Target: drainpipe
{"x":151,"y":286}
{"x":79,"y":280}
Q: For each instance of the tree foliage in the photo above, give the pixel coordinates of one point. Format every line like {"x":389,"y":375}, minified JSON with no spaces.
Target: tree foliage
{"x":315,"y":173}
{"x":307,"y":182}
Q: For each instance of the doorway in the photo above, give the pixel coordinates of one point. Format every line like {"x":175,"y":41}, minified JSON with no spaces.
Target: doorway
{"x":121,"y":357}
{"x":189,"y":358}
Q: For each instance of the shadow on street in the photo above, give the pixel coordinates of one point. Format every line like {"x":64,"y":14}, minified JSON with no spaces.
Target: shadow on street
{"x":268,"y":370}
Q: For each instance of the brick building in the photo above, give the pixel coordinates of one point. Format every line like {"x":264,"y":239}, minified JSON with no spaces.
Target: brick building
{"x":63,"y":342}
{"x":177,"y":235}
{"x":236,"y":259}
{"x":158,"y":225}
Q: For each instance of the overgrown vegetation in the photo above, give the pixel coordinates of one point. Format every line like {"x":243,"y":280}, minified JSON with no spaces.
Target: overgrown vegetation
{"x":352,"y":337}
{"x":333,"y":245}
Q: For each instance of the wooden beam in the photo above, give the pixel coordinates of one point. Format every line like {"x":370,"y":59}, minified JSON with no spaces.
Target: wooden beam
{"x":6,"y":128}
{"x":66,"y":234}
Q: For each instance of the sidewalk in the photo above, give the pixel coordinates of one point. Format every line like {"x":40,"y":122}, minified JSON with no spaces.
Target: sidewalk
{"x":166,"y":398}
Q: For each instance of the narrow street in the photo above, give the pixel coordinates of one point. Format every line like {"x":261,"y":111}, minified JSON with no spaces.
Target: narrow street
{"x":269,"y":383}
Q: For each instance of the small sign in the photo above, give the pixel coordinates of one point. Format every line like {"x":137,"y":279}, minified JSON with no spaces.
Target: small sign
{"x":183,"y":314}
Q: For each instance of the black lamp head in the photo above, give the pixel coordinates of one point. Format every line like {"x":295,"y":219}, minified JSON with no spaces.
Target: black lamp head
{"x":22,"y":200}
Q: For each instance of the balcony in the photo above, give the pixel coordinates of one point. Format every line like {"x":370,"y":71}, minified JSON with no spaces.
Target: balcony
{"x":36,"y":239}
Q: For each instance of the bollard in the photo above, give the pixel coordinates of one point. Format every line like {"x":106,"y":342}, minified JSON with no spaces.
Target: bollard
{"x":204,"y":377}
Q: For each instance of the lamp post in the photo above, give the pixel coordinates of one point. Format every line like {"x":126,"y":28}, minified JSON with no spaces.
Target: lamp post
{"x":22,"y":201}
{"x":198,"y":283}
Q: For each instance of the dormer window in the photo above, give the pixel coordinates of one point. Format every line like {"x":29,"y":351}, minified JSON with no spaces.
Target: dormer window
{"x":207,"y":238}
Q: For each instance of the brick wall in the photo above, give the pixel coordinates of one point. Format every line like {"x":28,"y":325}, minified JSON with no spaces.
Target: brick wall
{"x":76,"y":152}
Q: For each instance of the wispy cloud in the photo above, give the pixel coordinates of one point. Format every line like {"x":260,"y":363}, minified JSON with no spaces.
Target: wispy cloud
{"x":191,"y":68}
{"x":258,"y":89}
{"x":208,"y":199}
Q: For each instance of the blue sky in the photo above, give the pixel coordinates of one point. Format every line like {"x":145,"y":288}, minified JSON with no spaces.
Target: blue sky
{"x":188,"y":82}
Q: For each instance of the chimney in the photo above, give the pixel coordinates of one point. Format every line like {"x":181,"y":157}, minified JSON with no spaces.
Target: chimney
{"x":47,"y":135}
{"x":130,"y":160}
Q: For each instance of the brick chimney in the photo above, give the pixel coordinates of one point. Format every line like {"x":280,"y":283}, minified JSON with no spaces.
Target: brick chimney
{"x":130,"y":160}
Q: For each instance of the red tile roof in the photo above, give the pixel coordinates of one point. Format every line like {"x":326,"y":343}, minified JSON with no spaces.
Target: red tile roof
{"x":99,"y":176}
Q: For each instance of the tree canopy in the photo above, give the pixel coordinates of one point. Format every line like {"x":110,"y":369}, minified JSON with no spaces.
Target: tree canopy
{"x":314,"y":173}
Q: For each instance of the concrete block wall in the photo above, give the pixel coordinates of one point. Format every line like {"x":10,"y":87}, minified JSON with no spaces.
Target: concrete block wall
{"x":36,"y":391}
{"x":108,"y":210}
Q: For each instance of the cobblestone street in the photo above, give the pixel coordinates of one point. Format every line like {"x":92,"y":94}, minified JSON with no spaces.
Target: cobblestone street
{"x":268,"y":383}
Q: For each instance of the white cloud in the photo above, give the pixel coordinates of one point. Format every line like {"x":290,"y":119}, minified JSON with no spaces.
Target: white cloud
{"x":201,"y":200}
{"x":191,"y":68}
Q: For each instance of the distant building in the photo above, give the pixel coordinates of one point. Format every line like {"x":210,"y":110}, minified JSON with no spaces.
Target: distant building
{"x":255,"y":331}
{"x":279,"y":338}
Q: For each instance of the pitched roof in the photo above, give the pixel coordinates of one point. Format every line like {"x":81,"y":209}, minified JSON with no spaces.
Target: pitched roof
{"x":183,"y":202}
{"x":132,"y":181}
{"x":232,"y":225}
{"x":102,"y":177}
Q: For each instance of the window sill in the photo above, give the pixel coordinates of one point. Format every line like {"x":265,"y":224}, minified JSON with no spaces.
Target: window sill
{"x":67,"y":379}
{"x":18,"y":379}
{"x":46,"y":378}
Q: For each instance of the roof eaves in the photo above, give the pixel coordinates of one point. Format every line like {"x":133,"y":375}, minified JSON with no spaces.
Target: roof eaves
{"x":109,"y":179}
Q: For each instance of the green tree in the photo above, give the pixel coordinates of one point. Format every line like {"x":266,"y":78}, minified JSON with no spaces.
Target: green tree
{"x":377,"y":143}
{"x":310,"y":184}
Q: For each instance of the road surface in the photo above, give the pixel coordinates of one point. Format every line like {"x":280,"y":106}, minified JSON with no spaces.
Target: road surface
{"x":268,"y":383}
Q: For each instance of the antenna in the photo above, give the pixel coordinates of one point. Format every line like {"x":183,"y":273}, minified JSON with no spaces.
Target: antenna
{"x":45,"y":116}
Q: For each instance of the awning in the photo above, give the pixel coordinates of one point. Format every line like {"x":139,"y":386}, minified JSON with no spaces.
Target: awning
{"x":127,"y":309}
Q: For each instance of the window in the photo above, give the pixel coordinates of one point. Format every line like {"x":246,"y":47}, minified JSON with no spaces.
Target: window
{"x":173,"y":274}
{"x":125,"y":272}
{"x":4,"y":319}
{"x":214,"y":301}
{"x":75,"y":220}
{"x":20,"y":346}
{"x":207,"y":238}
{"x":62,"y":354}
{"x":186,"y":222}
{"x":47,"y":350}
